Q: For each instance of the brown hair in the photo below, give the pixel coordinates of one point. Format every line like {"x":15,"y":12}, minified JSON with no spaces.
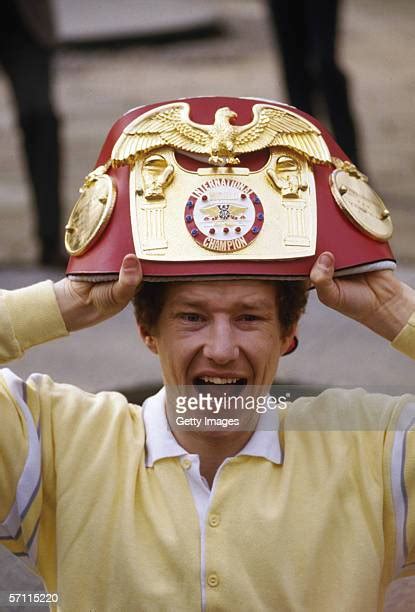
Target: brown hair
{"x":291,"y":299}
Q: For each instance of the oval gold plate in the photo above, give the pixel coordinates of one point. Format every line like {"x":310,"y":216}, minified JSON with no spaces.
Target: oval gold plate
{"x":91,"y":212}
{"x":361,"y":204}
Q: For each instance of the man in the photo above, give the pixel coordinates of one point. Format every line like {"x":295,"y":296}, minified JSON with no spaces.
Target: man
{"x":123,"y":510}
{"x":26,"y":53}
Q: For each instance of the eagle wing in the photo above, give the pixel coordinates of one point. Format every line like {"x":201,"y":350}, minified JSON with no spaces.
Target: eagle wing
{"x":273,"y":127}
{"x":237,"y":209}
{"x":165,"y":125}
{"x":211,"y":210}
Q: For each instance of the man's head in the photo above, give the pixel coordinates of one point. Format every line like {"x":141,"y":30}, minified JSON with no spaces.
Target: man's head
{"x":232,"y":330}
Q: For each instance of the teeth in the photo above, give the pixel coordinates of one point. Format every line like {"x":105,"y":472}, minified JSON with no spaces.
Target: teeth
{"x":219,"y":381}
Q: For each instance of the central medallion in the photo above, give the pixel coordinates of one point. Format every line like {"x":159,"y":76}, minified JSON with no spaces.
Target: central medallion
{"x":223,"y":214}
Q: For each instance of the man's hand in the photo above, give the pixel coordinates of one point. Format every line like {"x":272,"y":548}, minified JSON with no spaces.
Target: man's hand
{"x":378,"y":300}
{"x":85,"y":304}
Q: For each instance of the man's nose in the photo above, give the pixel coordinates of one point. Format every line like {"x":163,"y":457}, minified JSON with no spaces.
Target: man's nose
{"x":221,"y":346}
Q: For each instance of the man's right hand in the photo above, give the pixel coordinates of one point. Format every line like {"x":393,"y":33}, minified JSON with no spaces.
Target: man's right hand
{"x":84,"y":304}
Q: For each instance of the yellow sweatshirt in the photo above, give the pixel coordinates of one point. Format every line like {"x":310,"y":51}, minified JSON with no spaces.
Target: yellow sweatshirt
{"x":326,"y":528}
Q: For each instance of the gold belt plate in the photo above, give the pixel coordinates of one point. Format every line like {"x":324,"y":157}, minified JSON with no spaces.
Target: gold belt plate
{"x":361,"y":204}
{"x":182,"y":215}
{"x":91,"y":212}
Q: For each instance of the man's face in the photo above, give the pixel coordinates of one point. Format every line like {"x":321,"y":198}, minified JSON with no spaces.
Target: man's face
{"x":219,"y":331}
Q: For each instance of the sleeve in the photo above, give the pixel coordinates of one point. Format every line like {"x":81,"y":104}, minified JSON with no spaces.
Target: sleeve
{"x":399,"y":470}
{"x":27,"y":317}
{"x":405,"y":340}
{"x":402,"y":467}
{"x":409,"y":488}
{"x":20,"y":466}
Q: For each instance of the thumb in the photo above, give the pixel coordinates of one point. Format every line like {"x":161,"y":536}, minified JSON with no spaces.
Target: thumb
{"x":129,"y":278}
{"x":321,"y":276}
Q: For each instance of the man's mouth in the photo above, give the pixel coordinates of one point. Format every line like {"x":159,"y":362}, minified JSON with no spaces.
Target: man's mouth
{"x":219,"y":381}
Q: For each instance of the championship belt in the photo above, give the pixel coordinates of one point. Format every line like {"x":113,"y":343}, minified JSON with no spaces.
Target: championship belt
{"x":213,"y":187}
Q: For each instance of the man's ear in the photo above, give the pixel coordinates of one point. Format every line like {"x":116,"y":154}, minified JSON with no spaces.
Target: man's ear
{"x":287,"y":341}
{"x":149,"y":340}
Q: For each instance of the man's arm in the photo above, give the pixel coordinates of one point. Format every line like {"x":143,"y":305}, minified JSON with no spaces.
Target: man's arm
{"x":27,"y":317}
{"x":43,"y":312}
{"x":378,"y":300}
{"x":86,"y":304}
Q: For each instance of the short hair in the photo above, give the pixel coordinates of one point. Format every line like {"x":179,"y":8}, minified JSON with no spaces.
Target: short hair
{"x":291,"y":297}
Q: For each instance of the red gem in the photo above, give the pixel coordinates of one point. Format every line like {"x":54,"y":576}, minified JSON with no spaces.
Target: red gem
{"x":225,"y":230}
{"x":204,"y":197}
{"x":237,"y":229}
{"x":243,"y":196}
{"x":212,"y":230}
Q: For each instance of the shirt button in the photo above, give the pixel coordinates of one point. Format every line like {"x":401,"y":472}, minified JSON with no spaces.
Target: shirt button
{"x":213,"y":580}
{"x":214,"y":520}
{"x":186,"y":463}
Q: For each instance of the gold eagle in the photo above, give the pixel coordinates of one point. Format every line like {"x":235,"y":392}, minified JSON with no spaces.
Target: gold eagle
{"x":224,"y":211}
{"x":170,"y":125}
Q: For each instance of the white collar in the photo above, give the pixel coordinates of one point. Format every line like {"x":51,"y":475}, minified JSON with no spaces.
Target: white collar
{"x":160,"y":442}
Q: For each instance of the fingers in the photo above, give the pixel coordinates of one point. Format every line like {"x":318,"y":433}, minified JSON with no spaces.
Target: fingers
{"x":130,"y":277}
{"x":321,"y":276}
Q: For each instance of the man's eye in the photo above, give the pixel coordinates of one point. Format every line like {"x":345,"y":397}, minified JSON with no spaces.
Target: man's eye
{"x":191,"y":317}
{"x":248,"y":317}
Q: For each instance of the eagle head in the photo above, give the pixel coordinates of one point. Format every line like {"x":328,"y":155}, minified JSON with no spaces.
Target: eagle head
{"x":225,"y":113}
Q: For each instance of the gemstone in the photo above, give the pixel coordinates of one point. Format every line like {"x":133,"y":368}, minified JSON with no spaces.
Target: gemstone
{"x":194,"y":232}
{"x":188,"y":218}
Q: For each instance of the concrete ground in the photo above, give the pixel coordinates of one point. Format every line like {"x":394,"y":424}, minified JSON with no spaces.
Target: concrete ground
{"x":94,"y":87}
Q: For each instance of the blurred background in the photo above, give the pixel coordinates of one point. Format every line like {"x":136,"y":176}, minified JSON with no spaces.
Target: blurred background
{"x":103,"y":58}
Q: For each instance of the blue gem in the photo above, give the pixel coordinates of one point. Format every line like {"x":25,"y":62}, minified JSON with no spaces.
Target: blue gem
{"x":194,"y":232}
{"x":260,"y":216}
{"x":255,"y":229}
{"x":189,"y":204}
{"x":257,"y":201}
{"x":188,"y":218}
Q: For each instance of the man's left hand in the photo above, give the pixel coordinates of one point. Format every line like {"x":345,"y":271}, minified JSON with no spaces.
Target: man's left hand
{"x":378,"y":300}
